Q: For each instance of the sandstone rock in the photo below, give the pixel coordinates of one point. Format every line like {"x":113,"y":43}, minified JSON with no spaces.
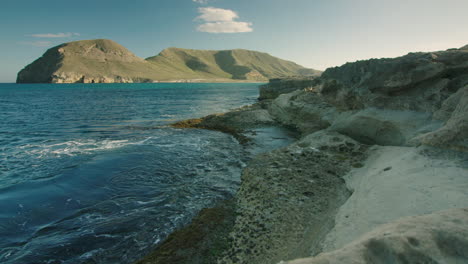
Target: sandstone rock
{"x":288,"y":198}
{"x":235,"y":122}
{"x":277,"y":87}
{"x":417,"y":81}
{"x":396,"y":182}
{"x":385,"y":101}
{"x":302,"y":110}
{"x":69,"y":77}
{"x":384,"y":127}
{"x":440,"y":237}
{"x":241,"y":118}
{"x":454,"y":134}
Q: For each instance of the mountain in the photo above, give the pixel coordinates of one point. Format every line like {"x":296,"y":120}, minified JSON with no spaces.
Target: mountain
{"x":105,"y":61}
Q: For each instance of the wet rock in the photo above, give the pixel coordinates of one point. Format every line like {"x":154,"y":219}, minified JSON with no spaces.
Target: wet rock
{"x":201,"y":242}
{"x":235,"y":122}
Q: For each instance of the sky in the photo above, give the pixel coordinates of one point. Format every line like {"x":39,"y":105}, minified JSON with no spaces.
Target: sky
{"x":314,"y":33}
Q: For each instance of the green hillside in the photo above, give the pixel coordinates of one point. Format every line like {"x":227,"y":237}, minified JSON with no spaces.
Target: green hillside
{"x":235,"y":64}
{"x":107,"y":61}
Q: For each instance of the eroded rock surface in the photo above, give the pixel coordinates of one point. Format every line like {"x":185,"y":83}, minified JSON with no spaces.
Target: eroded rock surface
{"x":288,"y":198}
{"x":277,"y":87}
{"x":420,"y":98}
{"x":396,"y":104}
{"x":454,"y":134}
{"x":302,"y":110}
{"x":417,"y":81}
{"x":397,"y":182}
{"x":235,"y":122}
{"x":331,"y":193}
{"x":384,"y":127}
{"x":440,"y":237}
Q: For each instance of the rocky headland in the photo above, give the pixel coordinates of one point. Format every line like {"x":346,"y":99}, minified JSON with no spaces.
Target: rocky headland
{"x":379,"y":173}
{"x":105,"y":61}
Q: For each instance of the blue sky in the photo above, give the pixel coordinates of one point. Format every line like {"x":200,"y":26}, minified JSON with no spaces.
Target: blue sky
{"x":313,"y":33}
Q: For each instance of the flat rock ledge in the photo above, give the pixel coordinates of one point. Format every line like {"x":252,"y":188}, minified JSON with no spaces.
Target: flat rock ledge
{"x":235,"y":122}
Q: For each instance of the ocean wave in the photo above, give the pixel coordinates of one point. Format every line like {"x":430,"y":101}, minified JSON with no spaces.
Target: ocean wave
{"x":77,"y":147}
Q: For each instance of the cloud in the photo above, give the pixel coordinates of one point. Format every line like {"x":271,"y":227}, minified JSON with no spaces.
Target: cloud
{"x":203,"y":2}
{"x":218,"y":20}
{"x":37,"y":43}
{"x":211,"y":14}
{"x":55,"y":35}
{"x":225,"y":27}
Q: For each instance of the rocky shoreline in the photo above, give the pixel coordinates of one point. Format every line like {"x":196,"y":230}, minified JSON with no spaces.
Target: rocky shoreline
{"x":378,"y":174}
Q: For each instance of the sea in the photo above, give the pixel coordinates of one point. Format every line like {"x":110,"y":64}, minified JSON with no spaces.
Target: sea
{"x":93,"y":173}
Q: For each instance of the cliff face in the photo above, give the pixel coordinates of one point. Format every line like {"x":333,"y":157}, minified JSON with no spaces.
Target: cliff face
{"x":416,"y":99}
{"x":104,"y":61}
{"x":41,"y":70}
{"x":417,"y":81}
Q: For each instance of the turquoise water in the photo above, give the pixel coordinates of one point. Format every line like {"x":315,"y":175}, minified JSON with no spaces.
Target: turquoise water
{"x":90,"y":173}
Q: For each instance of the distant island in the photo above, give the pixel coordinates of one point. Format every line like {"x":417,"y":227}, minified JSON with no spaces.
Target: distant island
{"x":105,"y":61}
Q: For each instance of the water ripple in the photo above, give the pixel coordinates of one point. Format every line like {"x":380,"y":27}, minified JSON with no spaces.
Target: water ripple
{"x":91,"y":174}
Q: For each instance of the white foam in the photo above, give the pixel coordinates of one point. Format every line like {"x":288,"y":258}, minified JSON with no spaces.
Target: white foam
{"x":77,"y":147}
{"x":91,"y":253}
{"x":143,"y":203}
